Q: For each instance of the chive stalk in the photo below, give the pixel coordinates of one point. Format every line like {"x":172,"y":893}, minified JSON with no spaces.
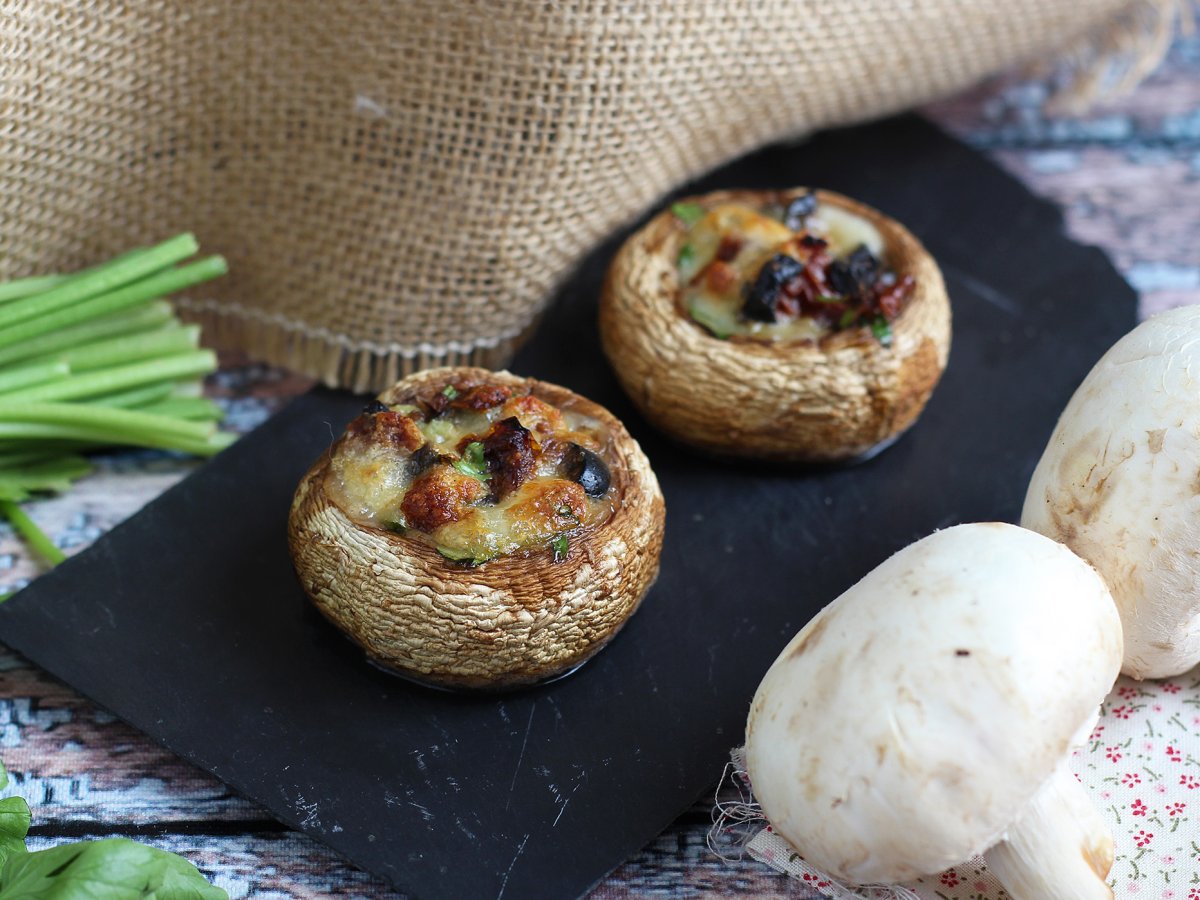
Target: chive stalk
{"x":132,"y":321}
{"x":115,"y":421}
{"x":136,"y":398}
{"x":151,"y":288}
{"x":171,"y":338}
{"x":26,"y":287}
{"x":32,"y":376}
{"x":195,"y":409}
{"x":119,"y":378}
{"x":86,"y":437}
{"x":49,"y":474}
{"x":103,"y":279}
{"x":34,"y":536}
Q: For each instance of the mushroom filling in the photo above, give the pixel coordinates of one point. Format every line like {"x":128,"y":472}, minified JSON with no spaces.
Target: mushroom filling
{"x":791,"y":270}
{"x":476,"y":471}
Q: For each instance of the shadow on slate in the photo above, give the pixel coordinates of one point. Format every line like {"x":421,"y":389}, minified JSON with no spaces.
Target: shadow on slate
{"x":186,"y":621}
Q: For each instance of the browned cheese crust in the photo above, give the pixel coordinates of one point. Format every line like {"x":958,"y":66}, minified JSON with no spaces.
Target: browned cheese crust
{"x":511,"y":621}
{"x":801,"y":401}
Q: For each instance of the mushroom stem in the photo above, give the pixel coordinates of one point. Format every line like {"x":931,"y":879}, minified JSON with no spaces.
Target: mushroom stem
{"x":1057,"y":847}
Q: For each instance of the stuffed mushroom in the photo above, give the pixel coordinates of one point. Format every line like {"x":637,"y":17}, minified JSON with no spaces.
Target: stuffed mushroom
{"x":817,"y":325}
{"x":476,"y":529}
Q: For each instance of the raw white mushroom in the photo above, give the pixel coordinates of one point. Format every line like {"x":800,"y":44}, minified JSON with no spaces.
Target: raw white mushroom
{"x":928,"y":713}
{"x":1119,"y":483}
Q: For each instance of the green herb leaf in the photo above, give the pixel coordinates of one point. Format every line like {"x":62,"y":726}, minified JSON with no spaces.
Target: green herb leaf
{"x":688,"y":213}
{"x":472,"y":462}
{"x":849,"y":317}
{"x":14,"y":825}
{"x":562,"y":547}
{"x":114,"y":868}
{"x":460,"y":556}
{"x":395,"y":526}
{"x":686,"y":255}
{"x":450,"y":392}
{"x":14,"y":822}
{"x":830,"y":298}
{"x":882,"y":331}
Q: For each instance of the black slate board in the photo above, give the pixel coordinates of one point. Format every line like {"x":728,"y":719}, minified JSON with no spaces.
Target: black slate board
{"x":186,"y":621}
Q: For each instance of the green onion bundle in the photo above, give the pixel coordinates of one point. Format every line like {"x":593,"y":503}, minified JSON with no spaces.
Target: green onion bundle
{"x":98,"y":359}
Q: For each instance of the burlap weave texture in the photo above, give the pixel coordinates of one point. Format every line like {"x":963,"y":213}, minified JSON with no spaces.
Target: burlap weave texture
{"x":401,"y":184}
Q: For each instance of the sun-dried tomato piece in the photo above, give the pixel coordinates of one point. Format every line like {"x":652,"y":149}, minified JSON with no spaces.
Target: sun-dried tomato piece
{"x":730,"y":246}
{"x":891,"y":299}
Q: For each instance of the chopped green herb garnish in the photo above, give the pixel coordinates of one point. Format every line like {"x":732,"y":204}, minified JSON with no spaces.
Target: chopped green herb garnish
{"x":561,"y":547}
{"x":688,"y":213}
{"x":396,"y":526}
{"x":449,"y":392}
{"x":472,"y":462}
{"x":461,"y":556}
{"x":849,"y":317}
{"x":830,"y":298}
{"x":882,"y":331}
{"x":687,"y":255}
{"x":706,"y":318}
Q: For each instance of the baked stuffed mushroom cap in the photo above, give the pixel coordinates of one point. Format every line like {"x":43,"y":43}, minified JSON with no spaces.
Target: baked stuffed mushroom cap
{"x":824,"y":394}
{"x":547,"y":600}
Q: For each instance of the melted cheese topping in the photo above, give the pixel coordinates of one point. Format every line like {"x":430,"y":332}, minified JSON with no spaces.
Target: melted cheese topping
{"x":713,"y":293}
{"x":427,"y":479}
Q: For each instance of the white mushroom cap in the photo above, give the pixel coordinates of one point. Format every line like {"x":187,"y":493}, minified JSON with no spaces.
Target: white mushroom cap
{"x":911,"y":722}
{"x":1119,"y":483}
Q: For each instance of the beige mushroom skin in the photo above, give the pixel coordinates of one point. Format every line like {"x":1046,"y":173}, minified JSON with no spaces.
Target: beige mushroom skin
{"x":926,"y":716}
{"x":1119,"y":483}
{"x":511,"y":621}
{"x":835,"y":399}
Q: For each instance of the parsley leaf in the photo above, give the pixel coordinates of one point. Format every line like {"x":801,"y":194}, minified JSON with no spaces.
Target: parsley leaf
{"x":849,"y":317}
{"x":562,"y":547}
{"x":472,"y":462}
{"x":688,"y":213}
{"x":449,"y":392}
{"x":882,"y":331}
{"x":395,"y":526}
{"x":687,"y":254}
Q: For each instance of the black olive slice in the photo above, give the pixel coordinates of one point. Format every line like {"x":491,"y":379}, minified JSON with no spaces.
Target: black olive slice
{"x":375,"y":406}
{"x":762,"y":295}
{"x":423,"y":457}
{"x":799,"y":210}
{"x":588,"y":470}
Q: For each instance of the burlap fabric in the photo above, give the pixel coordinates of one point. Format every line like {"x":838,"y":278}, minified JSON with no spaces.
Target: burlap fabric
{"x":401,"y":184}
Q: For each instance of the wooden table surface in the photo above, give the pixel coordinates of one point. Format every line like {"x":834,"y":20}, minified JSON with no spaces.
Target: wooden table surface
{"x":1128,"y":179}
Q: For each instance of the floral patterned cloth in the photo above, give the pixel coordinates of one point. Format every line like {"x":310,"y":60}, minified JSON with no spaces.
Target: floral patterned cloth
{"x":1142,"y":767}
